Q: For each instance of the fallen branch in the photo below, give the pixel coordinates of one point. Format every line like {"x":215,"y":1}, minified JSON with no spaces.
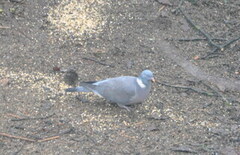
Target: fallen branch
{"x":17,"y":137}
{"x":99,"y":62}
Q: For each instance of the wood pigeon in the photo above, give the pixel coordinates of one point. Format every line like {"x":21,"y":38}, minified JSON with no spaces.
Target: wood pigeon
{"x":123,"y":90}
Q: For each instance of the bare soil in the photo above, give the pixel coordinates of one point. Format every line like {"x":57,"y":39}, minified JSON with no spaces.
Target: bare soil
{"x":190,"y":110}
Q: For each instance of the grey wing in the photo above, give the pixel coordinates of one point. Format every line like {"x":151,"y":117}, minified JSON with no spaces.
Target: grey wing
{"x":119,"y":90}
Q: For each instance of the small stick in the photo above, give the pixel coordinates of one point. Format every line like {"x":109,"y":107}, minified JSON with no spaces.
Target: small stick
{"x":163,"y":3}
{"x":127,"y":136}
{"x":48,"y":139}
{"x":4,"y":27}
{"x":214,"y":93}
{"x":160,"y":9}
{"x":230,"y":42}
{"x":218,"y":94}
{"x":222,"y":47}
{"x":101,"y":63}
{"x":199,"y":39}
{"x":13,"y":115}
{"x":179,"y":5}
{"x":188,"y":88}
{"x":56,"y":137}
{"x":139,"y":123}
{"x":68,"y":131}
{"x":17,"y":137}
{"x":183,"y":149}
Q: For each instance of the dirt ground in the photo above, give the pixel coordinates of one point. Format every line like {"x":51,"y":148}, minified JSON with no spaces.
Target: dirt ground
{"x":193,"y":108}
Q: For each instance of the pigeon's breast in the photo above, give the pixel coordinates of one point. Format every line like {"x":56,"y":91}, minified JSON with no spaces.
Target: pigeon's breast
{"x":141,"y":94}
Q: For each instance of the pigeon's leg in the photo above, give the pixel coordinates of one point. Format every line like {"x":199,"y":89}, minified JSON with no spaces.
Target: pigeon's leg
{"x":125,"y":107}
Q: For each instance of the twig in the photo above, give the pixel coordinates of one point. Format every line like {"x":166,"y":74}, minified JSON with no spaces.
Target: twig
{"x":210,"y":55}
{"x":17,"y":137}
{"x":67,"y":131}
{"x":4,"y":27}
{"x":188,"y":88}
{"x":48,"y":139}
{"x":13,"y":115}
{"x":209,"y":39}
{"x":163,"y":3}
{"x":207,"y":36}
{"x":199,"y":39}
{"x":96,"y":61}
{"x":214,"y":93}
{"x":32,"y":118}
{"x":41,"y":140}
{"x":227,"y":100}
{"x":160,"y":9}
{"x":230,"y":42}
{"x":222,"y":47}
{"x":183,"y":149}
{"x":178,"y":7}
{"x":125,"y":135}
{"x":57,"y":136}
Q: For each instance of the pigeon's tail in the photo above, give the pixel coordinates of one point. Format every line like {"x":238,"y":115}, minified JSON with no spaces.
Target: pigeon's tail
{"x":77,"y":89}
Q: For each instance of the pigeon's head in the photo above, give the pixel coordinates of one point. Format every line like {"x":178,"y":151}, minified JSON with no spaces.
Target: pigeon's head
{"x":147,"y":76}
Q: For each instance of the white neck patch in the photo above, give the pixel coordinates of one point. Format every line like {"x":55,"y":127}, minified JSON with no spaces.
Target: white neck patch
{"x":140,"y":83}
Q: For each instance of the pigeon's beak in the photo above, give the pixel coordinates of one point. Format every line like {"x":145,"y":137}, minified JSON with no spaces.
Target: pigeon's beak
{"x":153,"y":80}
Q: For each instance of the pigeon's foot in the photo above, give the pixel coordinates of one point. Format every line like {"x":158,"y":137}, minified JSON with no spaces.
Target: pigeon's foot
{"x":125,"y":107}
